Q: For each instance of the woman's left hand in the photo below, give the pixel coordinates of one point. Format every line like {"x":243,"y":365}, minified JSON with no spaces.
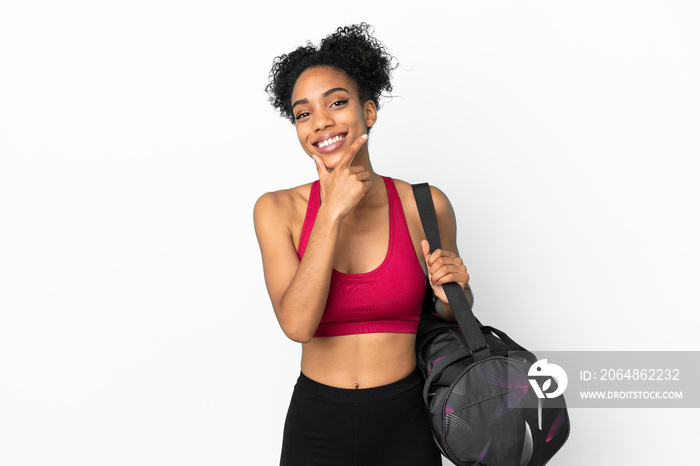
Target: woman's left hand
{"x":444,"y":267}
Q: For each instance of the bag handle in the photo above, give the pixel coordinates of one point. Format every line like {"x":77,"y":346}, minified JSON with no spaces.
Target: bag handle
{"x":455,"y":294}
{"x":503,"y":336}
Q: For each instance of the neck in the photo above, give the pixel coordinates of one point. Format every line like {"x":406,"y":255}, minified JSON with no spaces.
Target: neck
{"x":376,"y":194}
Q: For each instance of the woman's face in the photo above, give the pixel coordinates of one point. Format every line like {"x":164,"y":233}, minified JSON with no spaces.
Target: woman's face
{"x":329,"y":114}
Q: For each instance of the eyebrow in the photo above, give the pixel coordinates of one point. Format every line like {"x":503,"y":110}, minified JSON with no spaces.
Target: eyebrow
{"x":325,"y":94}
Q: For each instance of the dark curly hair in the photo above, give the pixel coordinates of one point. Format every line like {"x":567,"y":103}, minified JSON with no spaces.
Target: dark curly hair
{"x":351,"y":49}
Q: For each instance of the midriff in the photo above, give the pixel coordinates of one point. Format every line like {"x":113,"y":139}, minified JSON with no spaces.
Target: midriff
{"x":362,"y":360}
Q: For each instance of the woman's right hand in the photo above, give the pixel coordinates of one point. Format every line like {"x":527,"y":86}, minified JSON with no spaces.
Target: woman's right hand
{"x":343,"y":186}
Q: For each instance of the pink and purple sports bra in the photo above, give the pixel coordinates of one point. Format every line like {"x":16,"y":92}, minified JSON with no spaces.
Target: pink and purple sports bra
{"x":386,"y":299}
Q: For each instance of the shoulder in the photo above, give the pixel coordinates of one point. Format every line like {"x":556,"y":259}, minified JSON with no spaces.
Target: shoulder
{"x":447,"y":223}
{"x":283,"y":198}
{"x":442,"y":204}
{"x":275,"y":206}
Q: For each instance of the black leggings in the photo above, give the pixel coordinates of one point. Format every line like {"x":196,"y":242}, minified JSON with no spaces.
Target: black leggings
{"x":382,"y":426}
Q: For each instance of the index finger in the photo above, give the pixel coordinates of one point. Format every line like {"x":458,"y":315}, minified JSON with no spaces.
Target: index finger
{"x":438,"y":253}
{"x":320,"y":166}
{"x":352,"y":151}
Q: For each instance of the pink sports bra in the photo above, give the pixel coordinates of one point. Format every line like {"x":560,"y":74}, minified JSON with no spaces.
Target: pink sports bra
{"x":387,"y":299}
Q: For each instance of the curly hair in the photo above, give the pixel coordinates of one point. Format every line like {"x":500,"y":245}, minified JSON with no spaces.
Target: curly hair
{"x":351,"y":49}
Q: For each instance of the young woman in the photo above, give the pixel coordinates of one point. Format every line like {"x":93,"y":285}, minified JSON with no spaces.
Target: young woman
{"x":345,"y":261}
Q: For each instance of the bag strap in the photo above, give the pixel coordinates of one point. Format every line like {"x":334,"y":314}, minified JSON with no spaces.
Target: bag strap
{"x":438,"y":367}
{"x":503,"y":336}
{"x":455,"y":294}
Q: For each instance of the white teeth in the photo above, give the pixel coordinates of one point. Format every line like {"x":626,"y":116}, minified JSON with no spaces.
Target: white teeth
{"x":327,"y":142}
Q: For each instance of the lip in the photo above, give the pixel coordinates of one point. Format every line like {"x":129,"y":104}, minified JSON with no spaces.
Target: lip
{"x":331,"y":147}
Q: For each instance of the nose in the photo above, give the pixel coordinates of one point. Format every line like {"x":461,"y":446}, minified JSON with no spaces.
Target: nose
{"x":323,"y":120}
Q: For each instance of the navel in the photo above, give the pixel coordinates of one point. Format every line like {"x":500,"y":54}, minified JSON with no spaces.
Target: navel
{"x":357,"y":385}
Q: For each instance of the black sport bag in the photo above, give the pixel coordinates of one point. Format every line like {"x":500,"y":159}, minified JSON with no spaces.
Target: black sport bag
{"x":483,"y":410}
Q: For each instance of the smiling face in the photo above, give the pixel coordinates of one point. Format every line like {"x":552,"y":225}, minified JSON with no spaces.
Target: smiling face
{"x":329,"y":114}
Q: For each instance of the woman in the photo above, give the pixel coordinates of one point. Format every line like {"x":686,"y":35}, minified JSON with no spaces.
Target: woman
{"x":345,"y":261}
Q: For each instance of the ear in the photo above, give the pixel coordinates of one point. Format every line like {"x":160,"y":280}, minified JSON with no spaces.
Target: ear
{"x":370,"y":113}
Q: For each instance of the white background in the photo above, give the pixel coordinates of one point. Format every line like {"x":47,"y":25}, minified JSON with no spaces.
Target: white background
{"x":135,"y":137}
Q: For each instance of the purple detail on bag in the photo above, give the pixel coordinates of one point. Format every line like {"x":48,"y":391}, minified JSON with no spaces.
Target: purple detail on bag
{"x":449,"y":410}
{"x":483,"y":452}
{"x":554,"y":430}
{"x":501,"y":377}
{"x":434,"y":363}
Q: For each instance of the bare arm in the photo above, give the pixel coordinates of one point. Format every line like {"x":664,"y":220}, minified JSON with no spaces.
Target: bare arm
{"x":299,"y":289}
{"x":445,"y":265}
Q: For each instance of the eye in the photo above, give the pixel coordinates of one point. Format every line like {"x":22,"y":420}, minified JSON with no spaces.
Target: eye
{"x":339,"y":103}
{"x":301,"y":115}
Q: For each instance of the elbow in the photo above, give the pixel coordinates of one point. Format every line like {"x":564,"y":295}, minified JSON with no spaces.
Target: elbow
{"x":297,"y":332}
{"x":298,"y":325}
{"x":470,"y":296}
{"x":445,"y":312}
{"x":298,"y":336}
